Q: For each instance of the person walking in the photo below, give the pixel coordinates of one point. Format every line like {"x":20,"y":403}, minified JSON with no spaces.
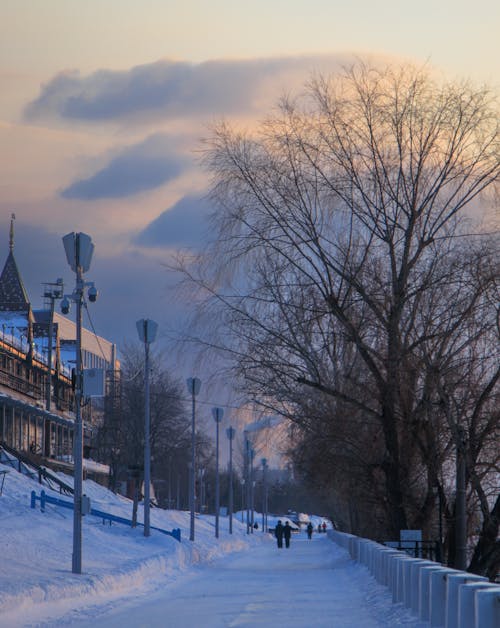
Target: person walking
{"x":278,"y":531}
{"x":309,"y":530}
{"x":287,"y":531}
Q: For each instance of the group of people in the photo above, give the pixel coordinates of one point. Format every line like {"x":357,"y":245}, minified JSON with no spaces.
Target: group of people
{"x":321,"y":528}
{"x":283,"y":532}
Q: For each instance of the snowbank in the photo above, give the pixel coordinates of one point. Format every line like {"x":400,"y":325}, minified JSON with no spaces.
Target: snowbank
{"x":37,"y":548}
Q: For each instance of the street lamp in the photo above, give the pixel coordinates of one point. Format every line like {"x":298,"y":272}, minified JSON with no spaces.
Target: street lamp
{"x":146,"y":329}
{"x":252,"y":487}
{"x":264,"y":494}
{"x":247,"y":479}
{"x":52,"y":292}
{"x":230,"y":432}
{"x":264,"y":423}
{"x":79,"y":249}
{"x":193,"y":386}
{"x":461,"y":501}
{"x":217,"y":413}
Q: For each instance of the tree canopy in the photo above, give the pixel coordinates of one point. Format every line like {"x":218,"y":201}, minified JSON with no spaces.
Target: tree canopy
{"x":348,"y":293}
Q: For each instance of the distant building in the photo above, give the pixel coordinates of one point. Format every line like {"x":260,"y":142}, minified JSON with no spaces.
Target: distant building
{"x":37,"y":402}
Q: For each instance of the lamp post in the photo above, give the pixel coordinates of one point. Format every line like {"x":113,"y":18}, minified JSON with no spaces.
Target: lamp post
{"x":79,"y":249}
{"x":217,"y":413}
{"x":252,"y":509}
{"x":230,"y":432}
{"x":247,"y":479}
{"x":264,"y":494}
{"x":439,"y":553}
{"x":461,"y":502}
{"x":193,"y":386}
{"x":264,"y":423}
{"x":52,"y":292}
{"x":146,"y":329}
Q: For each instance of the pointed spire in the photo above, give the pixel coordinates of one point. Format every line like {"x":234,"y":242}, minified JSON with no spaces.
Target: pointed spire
{"x":11,"y":239}
{"x":13,"y":296}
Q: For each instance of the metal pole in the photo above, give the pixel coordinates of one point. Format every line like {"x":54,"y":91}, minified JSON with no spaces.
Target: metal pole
{"x":217,"y":483}
{"x":78,"y":444}
{"x":264,"y":463}
{"x":193,"y":385}
{"x":251,"y":490}
{"x":49,"y":357}
{"x":267,"y":501}
{"x":460,"y":506}
{"x":193,"y":470}
{"x":247,"y":481}
{"x":230,"y":434}
{"x":147,"y":439}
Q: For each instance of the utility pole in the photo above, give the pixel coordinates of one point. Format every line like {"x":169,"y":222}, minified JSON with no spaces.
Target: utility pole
{"x":461,"y":503}
{"x":79,"y":250}
{"x":193,"y":386}
{"x":52,"y":292}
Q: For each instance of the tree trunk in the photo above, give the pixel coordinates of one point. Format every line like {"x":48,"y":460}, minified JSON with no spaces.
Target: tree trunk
{"x":486,"y":558}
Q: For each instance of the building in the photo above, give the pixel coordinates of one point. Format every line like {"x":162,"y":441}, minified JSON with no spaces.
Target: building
{"x":37,"y":400}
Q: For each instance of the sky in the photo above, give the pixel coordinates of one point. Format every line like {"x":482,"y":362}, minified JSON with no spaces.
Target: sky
{"x":128,"y":580}
{"x":104,"y":103}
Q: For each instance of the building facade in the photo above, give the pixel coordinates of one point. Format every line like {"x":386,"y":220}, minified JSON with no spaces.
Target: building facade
{"x":37,"y":360}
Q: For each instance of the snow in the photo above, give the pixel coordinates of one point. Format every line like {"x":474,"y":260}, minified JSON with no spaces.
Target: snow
{"x":129,"y":580}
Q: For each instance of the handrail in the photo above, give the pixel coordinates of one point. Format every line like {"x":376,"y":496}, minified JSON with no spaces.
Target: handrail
{"x":47,"y":499}
{"x":43,"y":472}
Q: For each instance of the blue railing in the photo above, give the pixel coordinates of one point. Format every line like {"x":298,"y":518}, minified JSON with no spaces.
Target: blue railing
{"x":105,"y":516}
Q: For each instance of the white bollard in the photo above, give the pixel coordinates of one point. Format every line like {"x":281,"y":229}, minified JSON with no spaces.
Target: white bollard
{"x":370,"y":555}
{"x":453,"y":582}
{"x":487,"y":608}
{"x":354,"y":548}
{"x":391,"y":572}
{"x":394,"y":575}
{"x":438,"y":596}
{"x":415,"y":570}
{"x":400,"y":579}
{"x":407,"y":579}
{"x":387,"y":562}
{"x":424,"y":602}
{"x":379,"y":564}
{"x":466,"y":602}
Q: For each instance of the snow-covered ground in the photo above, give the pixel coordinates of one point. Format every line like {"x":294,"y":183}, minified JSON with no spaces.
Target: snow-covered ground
{"x":129,"y":580}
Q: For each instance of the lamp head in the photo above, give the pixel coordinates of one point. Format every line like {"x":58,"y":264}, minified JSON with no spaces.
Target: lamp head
{"x":217,"y":413}
{"x":78,"y":248}
{"x":65,"y":306}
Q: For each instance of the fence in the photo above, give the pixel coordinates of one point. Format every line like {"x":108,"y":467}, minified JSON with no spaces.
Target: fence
{"x":446,"y":598}
{"x":105,"y":516}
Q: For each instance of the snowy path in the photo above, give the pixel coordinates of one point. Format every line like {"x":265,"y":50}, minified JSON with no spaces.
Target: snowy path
{"x":312,"y":585}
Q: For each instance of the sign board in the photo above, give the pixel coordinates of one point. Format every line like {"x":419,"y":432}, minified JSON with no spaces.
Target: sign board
{"x":146,"y":328}
{"x":411,"y":542}
{"x":93,"y":382}
{"x":410,"y":536}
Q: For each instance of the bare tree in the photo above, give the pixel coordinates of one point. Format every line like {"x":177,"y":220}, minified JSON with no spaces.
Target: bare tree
{"x":169,"y":422}
{"x":339,"y":231}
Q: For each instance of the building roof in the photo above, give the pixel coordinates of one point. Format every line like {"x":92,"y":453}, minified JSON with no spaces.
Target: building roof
{"x":13,"y":296}
{"x":18,"y":321}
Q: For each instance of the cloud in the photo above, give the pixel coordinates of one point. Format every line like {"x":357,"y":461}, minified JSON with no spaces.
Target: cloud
{"x":173,"y":88}
{"x":137,"y":168}
{"x":184,"y":225}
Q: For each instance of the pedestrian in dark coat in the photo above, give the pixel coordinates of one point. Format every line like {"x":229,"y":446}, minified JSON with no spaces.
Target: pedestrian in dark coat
{"x":278,"y":531}
{"x":309,"y":530}
{"x":287,"y":531}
